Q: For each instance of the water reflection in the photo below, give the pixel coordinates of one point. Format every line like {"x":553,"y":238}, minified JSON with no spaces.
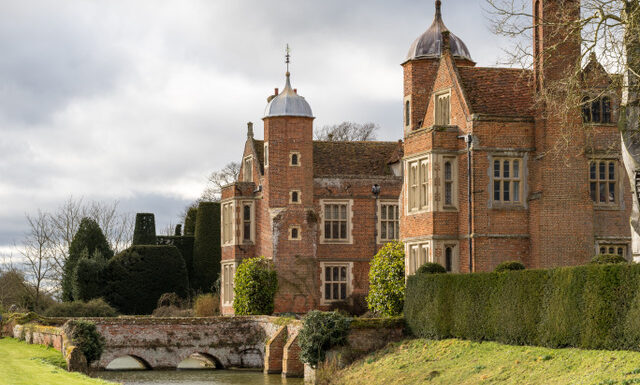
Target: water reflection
{"x":196,"y":377}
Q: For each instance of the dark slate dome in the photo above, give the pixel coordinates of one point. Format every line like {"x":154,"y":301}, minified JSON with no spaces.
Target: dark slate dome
{"x":288,"y":103}
{"x":429,"y":44}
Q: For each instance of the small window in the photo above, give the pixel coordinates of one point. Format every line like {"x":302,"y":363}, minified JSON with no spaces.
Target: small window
{"x":294,"y":233}
{"x":294,"y":159}
{"x":336,"y":222}
{"x":507,"y":175}
{"x":228,"y":272}
{"x":617,"y":249}
{"x":246,"y":222}
{"x":603,"y":182}
{"x":407,"y":113}
{"x":448,"y":183}
{"x":266,"y":154}
{"x":295,"y":196}
{"x":335,"y":285}
{"x":389,"y":222}
{"x":596,"y":110}
{"x":414,"y":195}
{"x":442,"y":110}
{"x":247,"y":171}
{"x":448,"y":258}
{"x":227,"y":223}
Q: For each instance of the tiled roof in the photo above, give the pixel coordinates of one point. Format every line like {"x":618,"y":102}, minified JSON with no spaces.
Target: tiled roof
{"x":498,"y":91}
{"x":259,"y":146}
{"x":354,"y":158}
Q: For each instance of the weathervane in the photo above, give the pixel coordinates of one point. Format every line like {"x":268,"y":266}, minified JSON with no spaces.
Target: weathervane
{"x":287,"y":56}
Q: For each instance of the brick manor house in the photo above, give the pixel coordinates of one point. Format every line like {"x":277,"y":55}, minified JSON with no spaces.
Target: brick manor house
{"x":473,"y":184}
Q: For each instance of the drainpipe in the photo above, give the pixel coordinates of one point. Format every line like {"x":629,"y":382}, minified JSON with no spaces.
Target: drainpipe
{"x":375,"y":190}
{"x":468,"y":139}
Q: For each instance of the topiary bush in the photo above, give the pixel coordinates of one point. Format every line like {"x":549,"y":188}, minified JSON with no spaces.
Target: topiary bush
{"x":138,"y":276}
{"x":320,"y":332}
{"x":88,"y":278}
{"x":509,"y":266}
{"x":190,"y":221}
{"x":94,"y":308}
{"x":88,"y":240}
{"x":206,"y":247}
{"x":431,"y":268}
{"x":386,"y":280}
{"x":86,"y":337}
{"x":144,"y":232}
{"x":255,"y":286}
{"x":608,"y":258}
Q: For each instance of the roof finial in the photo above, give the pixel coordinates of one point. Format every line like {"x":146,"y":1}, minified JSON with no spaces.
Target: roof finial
{"x":287,"y":56}
{"x":438,"y":14}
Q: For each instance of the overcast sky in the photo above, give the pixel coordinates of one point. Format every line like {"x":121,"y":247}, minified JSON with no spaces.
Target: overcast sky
{"x":138,"y":101}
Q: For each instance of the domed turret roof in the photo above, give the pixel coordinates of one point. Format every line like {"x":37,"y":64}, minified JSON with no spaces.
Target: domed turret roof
{"x":288,"y":103}
{"x":429,"y":44}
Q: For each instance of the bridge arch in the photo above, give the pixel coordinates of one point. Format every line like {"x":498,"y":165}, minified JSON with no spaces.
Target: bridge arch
{"x":200,"y":360}
{"x":251,"y":358}
{"x":128,"y":362}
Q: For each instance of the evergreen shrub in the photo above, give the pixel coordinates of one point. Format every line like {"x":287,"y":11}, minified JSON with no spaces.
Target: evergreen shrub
{"x":591,"y":307}
{"x":89,"y":240}
{"x":386,"y":280}
{"x":320,"y":332}
{"x":144,"y":232}
{"x":255,"y":286}
{"x":94,"y":308}
{"x":431,"y":268}
{"x":185,"y":246}
{"x":138,"y":276}
{"x":206,"y":247}
{"x":508,"y":266}
{"x":86,"y":337}
{"x":88,"y":278}
{"x":608,"y":258}
{"x":190,"y":221}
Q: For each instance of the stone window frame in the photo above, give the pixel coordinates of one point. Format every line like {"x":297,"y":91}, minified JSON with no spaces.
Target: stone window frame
{"x":439,"y":117}
{"x":297,"y":154}
{"x":522,"y":179}
{"x":348,"y":283}
{"x":298,"y":230}
{"x":602,"y":104}
{"x":615,"y":244}
{"x":297,"y":202}
{"x":349,"y":203}
{"x":417,"y":253}
{"x":266,"y":154}
{"x":226,"y":292}
{"x":247,"y":163}
{"x":387,"y":202}
{"x":228,"y":223}
{"x":252,"y":222}
{"x":422,"y":164}
{"x":453,"y":160}
{"x":407,"y":113}
{"x":455,"y":257}
{"x":616,"y":181}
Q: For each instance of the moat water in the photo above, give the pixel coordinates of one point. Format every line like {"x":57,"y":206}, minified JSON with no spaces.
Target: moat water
{"x":196,"y":377}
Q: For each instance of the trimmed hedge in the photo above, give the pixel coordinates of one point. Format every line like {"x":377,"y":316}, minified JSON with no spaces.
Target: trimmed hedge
{"x":255,"y":285}
{"x":508,"y":266}
{"x":185,"y":246}
{"x":144,"y":232}
{"x":206,"y":247}
{"x":590,"y":307}
{"x":138,"y":276}
{"x":190,"y":221}
{"x":386,"y":280}
{"x":431,"y":268}
{"x":608,"y":258}
{"x":88,"y":279}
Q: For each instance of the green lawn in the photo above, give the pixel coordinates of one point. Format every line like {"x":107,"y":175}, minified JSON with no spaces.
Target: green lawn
{"x":452,"y":361}
{"x":24,"y":364}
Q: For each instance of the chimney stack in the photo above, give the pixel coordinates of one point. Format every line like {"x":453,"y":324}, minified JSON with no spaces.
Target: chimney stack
{"x":250,"y":130}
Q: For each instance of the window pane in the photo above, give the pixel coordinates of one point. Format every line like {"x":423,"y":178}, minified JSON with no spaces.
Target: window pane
{"x":592,"y":170}
{"x":595,"y":110}
{"x":391,"y":231}
{"x":592,"y":189}
{"x":327,"y":212}
{"x":343,"y":230}
{"x":516,"y":191}
{"x":603,"y":250}
{"x":612,"y":171}
{"x":327,"y":274}
{"x":447,"y":193}
{"x":610,"y":250}
{"x":620,"y":251}
{"x":447,"y":171}
{"x":247,"y":212}
{"x":335,"y":229}
{"x":327,"y":291}
{"x":448,"y":258}
{"x":384,"y":212}
{"x":247,"y":231}
{"x":383,"y":230}
{"x":343,"y":291}
{"x":336,"y":211}
{"x":343,"y":211}
{"x":496,"y":168}
{"x":496,"y":191}
{"x":343,"y":273}
{"x":603,"y":192}
{"x":601,"y":167}
{"x":327,"y":230}
{"x":336,"y":271}
{"x":516,"y":169}
{"x":612,"y":192}
{"x":336,"y":290}
{"x":505,"y":191}
{"x":505,"y":169}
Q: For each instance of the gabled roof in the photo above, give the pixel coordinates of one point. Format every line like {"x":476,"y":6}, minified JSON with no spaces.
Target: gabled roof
{"x":498,"y":91}
{"x":258,"y":146}
{"x":333,"y":159}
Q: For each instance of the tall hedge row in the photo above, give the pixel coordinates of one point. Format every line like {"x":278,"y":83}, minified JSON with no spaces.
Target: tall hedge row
{"x":138,"y":276}
{"x":592,"y":307}
{"x":206,"y":247}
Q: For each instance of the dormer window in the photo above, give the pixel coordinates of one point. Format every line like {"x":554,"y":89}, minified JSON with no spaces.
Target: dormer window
{"x":596,"y":110}
{"x":442,"y":109}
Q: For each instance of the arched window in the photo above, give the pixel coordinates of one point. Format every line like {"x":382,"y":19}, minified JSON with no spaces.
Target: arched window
{"x":448,"y":258}
{"x":407,"y":113}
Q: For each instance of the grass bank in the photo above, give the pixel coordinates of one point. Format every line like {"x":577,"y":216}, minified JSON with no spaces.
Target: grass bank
{"x":452,"y":361}
{"x":24,"y":364}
